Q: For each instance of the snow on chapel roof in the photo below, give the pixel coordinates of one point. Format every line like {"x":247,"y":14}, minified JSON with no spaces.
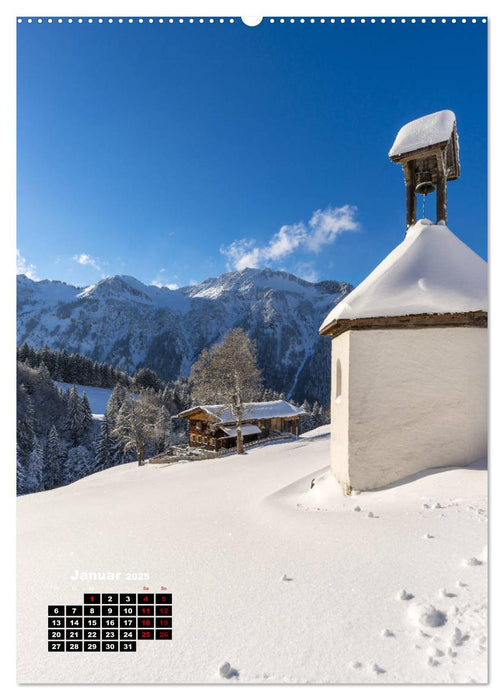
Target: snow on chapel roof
{"x":421,"y":133}
{"x":431,"y":271}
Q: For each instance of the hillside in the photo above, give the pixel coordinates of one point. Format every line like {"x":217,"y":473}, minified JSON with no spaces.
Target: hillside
{"x":285,"y":583}
{"x":97,"y":397}
{"x":123,"y":322}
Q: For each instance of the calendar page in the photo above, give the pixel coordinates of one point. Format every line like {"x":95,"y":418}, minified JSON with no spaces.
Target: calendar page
{"x":252,"y":349}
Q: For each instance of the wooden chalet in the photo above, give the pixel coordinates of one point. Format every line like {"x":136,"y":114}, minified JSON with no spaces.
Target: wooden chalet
{"x":214,"y":427}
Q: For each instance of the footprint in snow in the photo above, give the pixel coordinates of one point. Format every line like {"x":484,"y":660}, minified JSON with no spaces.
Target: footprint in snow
{"x":404,"y":595}
{"x":472,"y":561}
{"x":427,"y":536}
{"x":227,"y":671}
{"x":374,"y":668}
{"x":286,"y":578}
{"x":371,"y":514}
{"x":357,"y":509}
{"x":443,"y":593}
{"x":460,"y":584}
{"x":387,"y":633}
{"x":427,"y":615}
{"x":459,"y":638}
{"x":356,"y":664}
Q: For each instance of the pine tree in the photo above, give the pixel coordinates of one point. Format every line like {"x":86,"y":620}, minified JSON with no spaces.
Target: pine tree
{"x":25,"y":425}
{"x":306,"y":422}
{"x":20,"y":474}
{"x":75,"y":417}
{"x":87,"y":416}
{"x":78,"y":464}
{"x":115,"y":402}
{"x":53,"y":460}
{"x":162,"y":430}
{"x":33,"y":475}
{"x":104,"y":446}
{"x":23,"y":352}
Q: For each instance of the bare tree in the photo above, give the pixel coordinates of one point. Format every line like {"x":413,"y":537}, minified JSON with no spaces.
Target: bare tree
{"x":135,"y":423}
{"x":228,"y":374}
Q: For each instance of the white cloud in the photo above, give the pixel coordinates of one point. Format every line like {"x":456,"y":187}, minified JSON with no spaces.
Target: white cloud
{"x":158,"y":283}
{"x":85,"y":259}
{"x":307,"y":272}
{"x":322,"y":229}
{"x":24,"y":268}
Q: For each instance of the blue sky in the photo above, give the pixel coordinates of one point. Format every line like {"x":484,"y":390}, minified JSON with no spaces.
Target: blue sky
{"x":175,"y":152}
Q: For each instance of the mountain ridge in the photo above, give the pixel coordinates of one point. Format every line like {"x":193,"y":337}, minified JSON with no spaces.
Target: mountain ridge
{"x":130,"y":324}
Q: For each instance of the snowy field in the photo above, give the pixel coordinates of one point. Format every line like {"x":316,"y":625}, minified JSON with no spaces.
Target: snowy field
{"x":97,"y":397}
{"x":285,"y":583}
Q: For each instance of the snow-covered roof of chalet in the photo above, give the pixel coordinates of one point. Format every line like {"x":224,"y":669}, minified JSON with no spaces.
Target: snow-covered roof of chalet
{"x":246,"y":430}
{"x":421,"y":133}
{"x":431,"y":271}
{"x":253,"y":411}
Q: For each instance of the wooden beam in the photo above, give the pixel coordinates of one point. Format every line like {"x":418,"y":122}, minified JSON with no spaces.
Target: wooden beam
{"x":411,"y":215}
{"x":464,"y":319}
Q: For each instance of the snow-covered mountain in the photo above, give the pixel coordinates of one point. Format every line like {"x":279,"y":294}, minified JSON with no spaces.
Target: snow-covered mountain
{"x":127,"y":323}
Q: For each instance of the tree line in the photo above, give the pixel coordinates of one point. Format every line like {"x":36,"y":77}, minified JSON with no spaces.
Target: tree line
{"x":74,"y":368}
{"x":58,"y":441}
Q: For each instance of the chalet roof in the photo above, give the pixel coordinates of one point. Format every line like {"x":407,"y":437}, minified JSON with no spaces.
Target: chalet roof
{"x":430,"y":272}
{"x":253,"y":411}
{"x":424,"y":132}
{"x":246,"y":430}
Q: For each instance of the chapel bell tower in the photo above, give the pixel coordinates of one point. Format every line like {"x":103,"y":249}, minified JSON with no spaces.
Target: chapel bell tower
{"x":427,"y":149}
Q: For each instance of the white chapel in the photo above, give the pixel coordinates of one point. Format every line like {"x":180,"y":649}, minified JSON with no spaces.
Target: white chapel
{"x":409,"y":378}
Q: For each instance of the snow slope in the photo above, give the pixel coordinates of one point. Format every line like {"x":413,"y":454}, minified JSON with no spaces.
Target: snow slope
{"x":285,"y":583}
{"x":97,"y":396}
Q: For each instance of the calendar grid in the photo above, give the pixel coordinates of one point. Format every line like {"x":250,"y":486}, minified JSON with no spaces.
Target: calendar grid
{"x":110,"y":622}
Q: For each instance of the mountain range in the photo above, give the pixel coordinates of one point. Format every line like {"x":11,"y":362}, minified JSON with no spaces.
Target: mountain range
{"x":127,"y":323}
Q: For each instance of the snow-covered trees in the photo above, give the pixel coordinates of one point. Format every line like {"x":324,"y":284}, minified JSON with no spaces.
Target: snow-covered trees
{"x":87,"y":416}
{"x":53,"y":424}
{"x":74,"y":368}
{"x":135,"y":424}
{"x":228,"y":374}
{"x":29,"y":476}
{"x":105,"y":446}
{"x":146,"y":378}
{"x":75,"y":416}
{"x":79,"y":417}
{"x":77,"y":464}
{"x":53,"y":460}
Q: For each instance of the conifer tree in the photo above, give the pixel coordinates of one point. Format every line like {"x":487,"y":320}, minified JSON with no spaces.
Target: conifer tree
{"x":78,"y":464}
{"x":53,"y":460}
{"x":33,"y":478}
{"x":75,"y":416}
{"x":104,"y":446}
{"x":25,"y":426}
{"x":87,"y":416}
{"x":115,"y":402}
